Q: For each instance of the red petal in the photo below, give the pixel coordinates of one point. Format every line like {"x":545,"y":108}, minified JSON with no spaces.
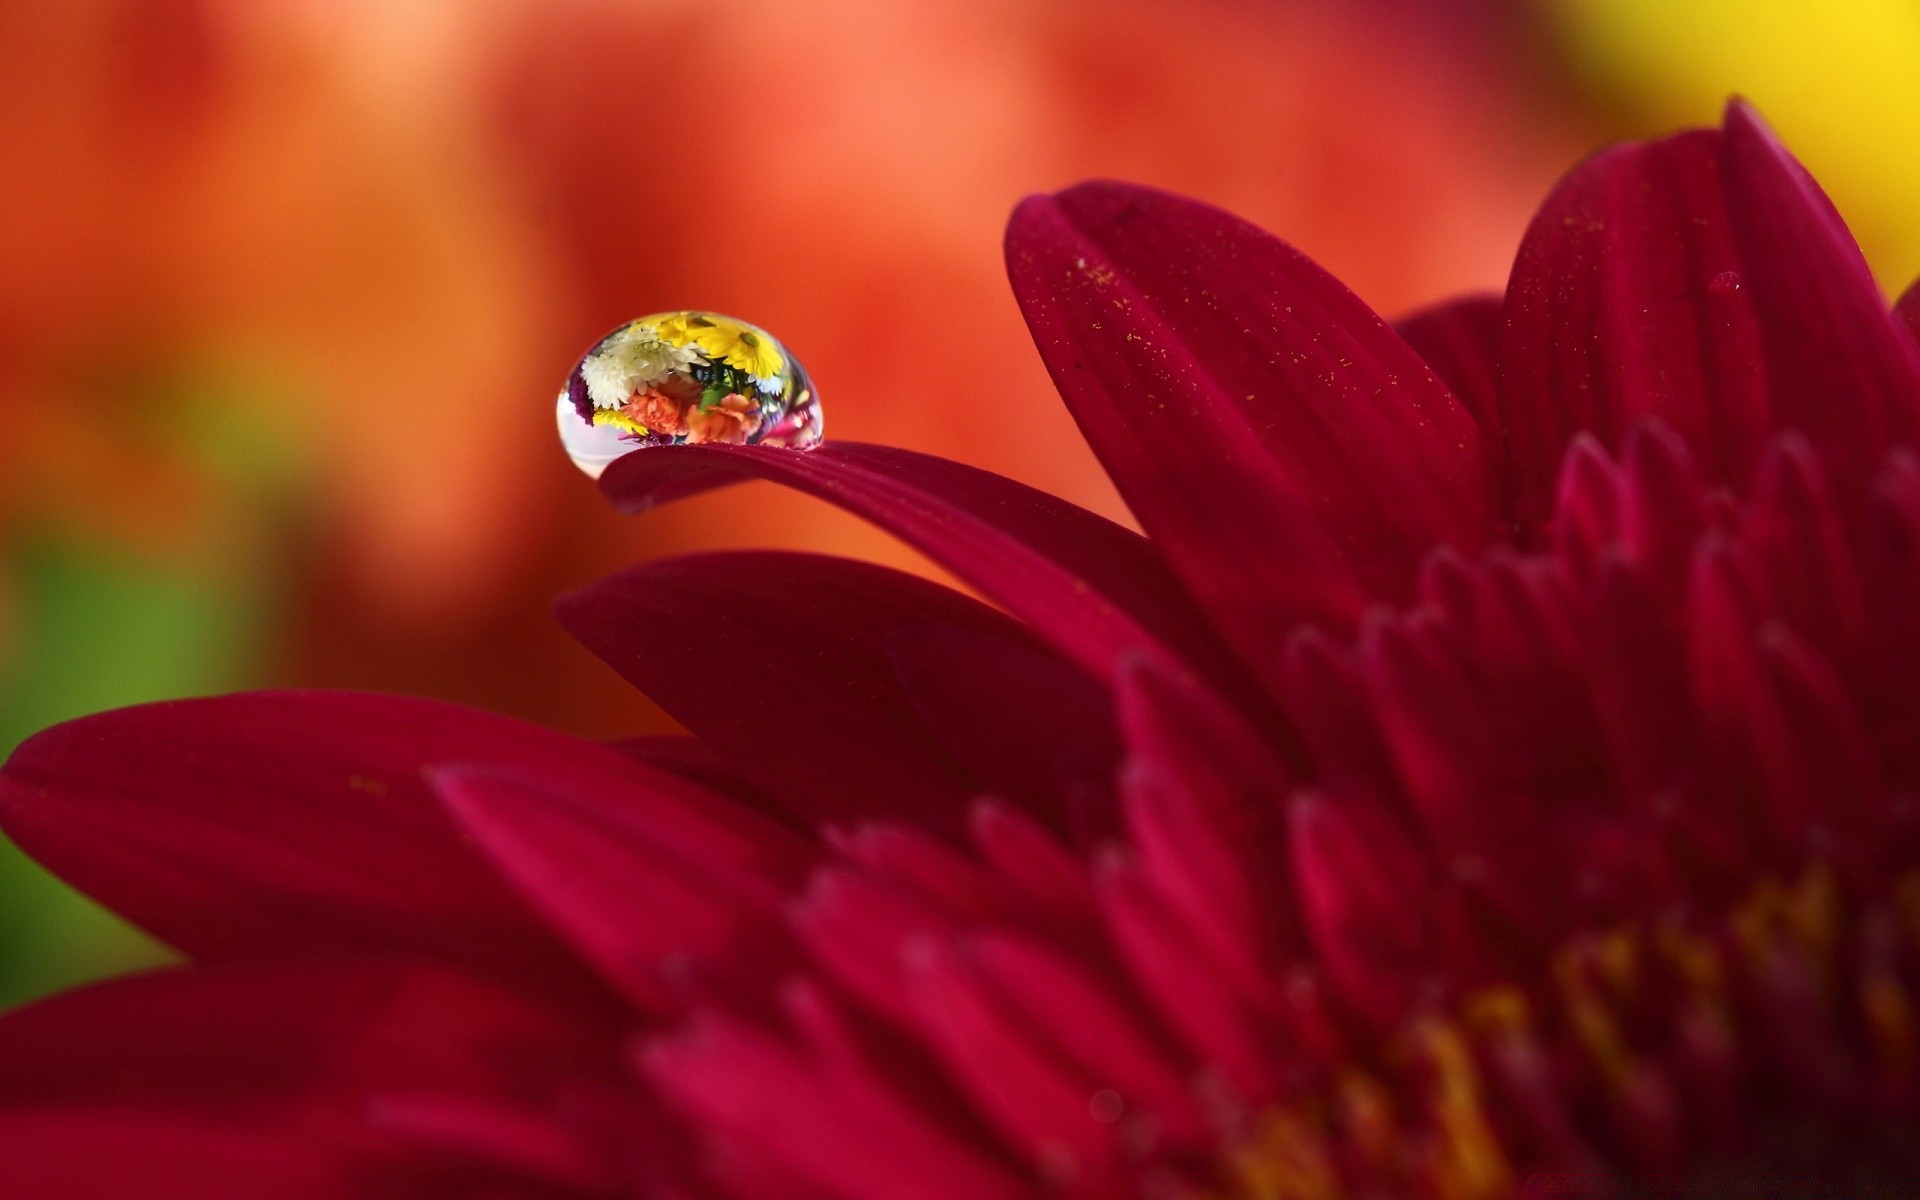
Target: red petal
{"x":274,"y":1040}
{"x":1201,"y":796}
{"x":490,"y":1134}
{"x":832,"y":1125}
{"x":779,"y":662}
{"x":80,"y":1155}
{"x":1015,"y":1075}
{"x":1184,"y":985}
{"x":1091,"y":588}
{"x":1626,"y":302}
{"x":1460,"y":339}
{"x":1082,"y":1016}
{"x":1367,"y":894}
{"x":1840,"y":368}
{"x":646,"y":906}
{"x":1908,"y":309}
{"x":1031,"y":859}
{"x":280,"y":823}
{"x":695,"y":761}
{"x":1288,"y":450}
{"x":1024,"y":723}
{"x":242,"y":1081}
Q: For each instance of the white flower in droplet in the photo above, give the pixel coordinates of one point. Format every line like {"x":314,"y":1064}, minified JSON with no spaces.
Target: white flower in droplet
{"x":631,"y":360}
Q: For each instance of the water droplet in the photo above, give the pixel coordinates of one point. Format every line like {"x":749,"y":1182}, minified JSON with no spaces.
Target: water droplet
{"x":1724,"y":283}
{"x":684,"y":376}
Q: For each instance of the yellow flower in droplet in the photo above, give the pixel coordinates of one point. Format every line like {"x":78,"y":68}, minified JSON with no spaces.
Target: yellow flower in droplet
{"x":619,"y":420}
{"x":736,"y":344}
{"x":673,"y":328}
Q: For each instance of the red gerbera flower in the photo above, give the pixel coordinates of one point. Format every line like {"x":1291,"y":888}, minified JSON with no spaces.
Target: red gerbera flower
{"x":1500,"y":756}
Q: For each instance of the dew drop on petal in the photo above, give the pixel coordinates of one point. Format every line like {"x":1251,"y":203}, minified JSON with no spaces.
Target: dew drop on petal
{"x":687,"y":376}
{"x":1724,"y":283}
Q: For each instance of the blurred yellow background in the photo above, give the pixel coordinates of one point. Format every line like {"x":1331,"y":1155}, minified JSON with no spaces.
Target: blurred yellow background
{"x":287,"y":286}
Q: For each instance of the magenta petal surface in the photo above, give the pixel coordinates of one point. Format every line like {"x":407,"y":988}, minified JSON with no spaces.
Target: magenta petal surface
{"x":251,"y":1080}
{"x":1908,"y":310}
{"x":1839,"y":366}
{"x":78,"y":1154}
{"x":1091,"y":588}
{"x":280,"y":823}
{"x":822,"y":1117}
{"x":647,"y":906}
{"x":227,"y":1039}
{"x":1289,"y":450}
{"x":1460,"y":339}
{"x":1024,"y":723}
{"x":1627,"y":301}
{"x":779,"y":661}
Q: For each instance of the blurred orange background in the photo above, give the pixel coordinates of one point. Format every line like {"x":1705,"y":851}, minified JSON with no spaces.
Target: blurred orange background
{"x":287,"y":287}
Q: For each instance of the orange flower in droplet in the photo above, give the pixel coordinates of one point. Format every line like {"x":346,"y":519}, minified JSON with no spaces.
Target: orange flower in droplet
{"x":732,"y":421}
{"x":659,"y":412}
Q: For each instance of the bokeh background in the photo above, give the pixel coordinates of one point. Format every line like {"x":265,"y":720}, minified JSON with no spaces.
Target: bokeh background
{"x":286,"y":286}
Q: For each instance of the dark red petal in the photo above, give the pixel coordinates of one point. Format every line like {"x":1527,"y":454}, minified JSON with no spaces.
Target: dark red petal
{"x":85,"y":1153}
{"x":1202,"y":798}
{"x":695,"y":761}
{"x":1027,"y":856}
{"x":831,"y":1124}
{"x":1289,"y":451}
{"x":1840,"y":368}
{"x":647,"y":908}
{"x":280,"y":823}
{"x":202,"y":1081}
{"x":1908,"y":309}
{"x":1183,"y":982}
{"x":491,"y":1134}
{"x":1089,"y":1024}
{"x":1627,"y":301}
{"x":272,"y":1039}
{"x":1021,"y":721}
{"x":1089,"y":587}
{"x":1367,"y":893}
{"x":779,"y":662}
{"x":1460,"y":339}
{"x":1015,"y":1075}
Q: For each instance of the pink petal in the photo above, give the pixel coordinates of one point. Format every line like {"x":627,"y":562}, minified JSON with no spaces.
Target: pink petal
{"x":1089,"y":587}
{"x":1460,"y":339}
{"x":779,"y":662}
{"x":1840,"y":367}
{"x":647,"y":907}
{"x":1292,"y":455}
{"x":282,"y":823}
{"x":1627,"y":301}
